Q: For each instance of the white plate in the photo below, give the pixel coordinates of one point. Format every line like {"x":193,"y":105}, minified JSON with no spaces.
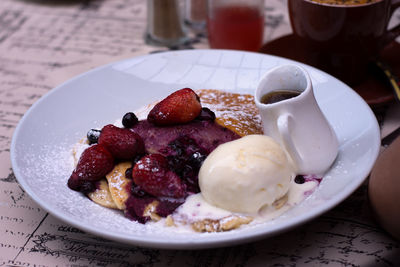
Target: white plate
{"x":42,"y":141}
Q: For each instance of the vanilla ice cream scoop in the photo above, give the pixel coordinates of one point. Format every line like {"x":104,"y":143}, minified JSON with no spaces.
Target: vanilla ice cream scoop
{"x":246,"y":174}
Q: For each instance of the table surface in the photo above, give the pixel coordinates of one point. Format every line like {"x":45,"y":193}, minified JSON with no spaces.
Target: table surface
{"x":44,"y":43}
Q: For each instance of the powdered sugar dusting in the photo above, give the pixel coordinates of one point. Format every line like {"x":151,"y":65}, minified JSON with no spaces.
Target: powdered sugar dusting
{"x":118,"y":182}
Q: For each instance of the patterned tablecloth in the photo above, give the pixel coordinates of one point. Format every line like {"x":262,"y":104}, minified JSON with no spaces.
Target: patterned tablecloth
{"x":42,"y":44}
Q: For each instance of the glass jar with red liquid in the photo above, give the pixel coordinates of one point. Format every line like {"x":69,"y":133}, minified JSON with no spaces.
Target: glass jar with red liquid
{"x":235,"y":24}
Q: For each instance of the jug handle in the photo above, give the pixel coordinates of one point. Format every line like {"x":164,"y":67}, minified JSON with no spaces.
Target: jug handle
{"x":284,"y":123}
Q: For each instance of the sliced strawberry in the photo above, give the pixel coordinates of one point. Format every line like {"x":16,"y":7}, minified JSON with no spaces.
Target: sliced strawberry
{"x":122,"y":143}
{"x":94,"y":163}
{"x":153,"y":176}
{"x":180,"y":107}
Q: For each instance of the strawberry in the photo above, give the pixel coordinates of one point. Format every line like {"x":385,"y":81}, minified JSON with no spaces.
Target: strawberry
{"x":94,"y":163}
{"x":180,"y":107}
{"x":122,"y":143}
{"x":153,"y":176}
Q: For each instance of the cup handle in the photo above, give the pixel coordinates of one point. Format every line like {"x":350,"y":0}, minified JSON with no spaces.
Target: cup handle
{"x":394,"y":32}
{"x":284,"y":123}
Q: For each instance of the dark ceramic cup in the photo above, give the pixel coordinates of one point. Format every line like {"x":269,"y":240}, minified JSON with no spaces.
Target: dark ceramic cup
{"x":342,"y":39}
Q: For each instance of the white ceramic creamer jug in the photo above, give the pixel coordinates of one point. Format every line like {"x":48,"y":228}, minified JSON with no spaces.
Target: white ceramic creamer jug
{"x":297,"y":123}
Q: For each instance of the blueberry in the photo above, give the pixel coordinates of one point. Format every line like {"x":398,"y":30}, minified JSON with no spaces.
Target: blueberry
{"x":176,"y":164}
{"x":177,"y":147}
{"x":93,"y":136}
{"x":299,"y":179}
{"x":197,"y":159}
{"x":128,"y":173}
{"x":136,"y":191}
{"x":129,"y":120}
{"x":87,"y":187}
{"x":206,"y":115}
{"x":188,"y":171}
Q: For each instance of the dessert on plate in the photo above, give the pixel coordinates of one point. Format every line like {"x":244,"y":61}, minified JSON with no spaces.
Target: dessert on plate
{"x":195,"y":160}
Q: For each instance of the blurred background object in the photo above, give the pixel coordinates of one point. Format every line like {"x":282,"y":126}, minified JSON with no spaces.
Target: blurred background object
{"x":196,"y":15}
{"x":342,"y":37}
{"x":384,"y":189}
{"x":235,"y":24}
{"x":165,"y":23}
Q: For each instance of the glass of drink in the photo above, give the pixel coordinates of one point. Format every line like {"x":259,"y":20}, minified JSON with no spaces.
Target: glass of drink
{"x":235,"y":24}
